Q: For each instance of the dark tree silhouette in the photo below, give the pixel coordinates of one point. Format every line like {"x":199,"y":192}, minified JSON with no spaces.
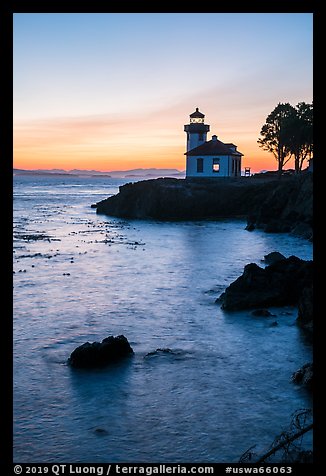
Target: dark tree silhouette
{"x":276,"y":134}
{"x":301,"y":134}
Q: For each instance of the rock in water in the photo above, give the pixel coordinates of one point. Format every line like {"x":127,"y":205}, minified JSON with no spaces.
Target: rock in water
{"x":279,"y":284}
{"x":159,"y":352}
{"x":99,"y":354}
{"x":304,"y":375}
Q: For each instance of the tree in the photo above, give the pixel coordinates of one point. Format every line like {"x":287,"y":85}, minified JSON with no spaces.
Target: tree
{"x":276,"y":134}
{"x":301,"y":423}
{"x":301,"y":134}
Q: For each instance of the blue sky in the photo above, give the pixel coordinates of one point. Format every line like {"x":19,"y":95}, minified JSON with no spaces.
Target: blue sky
{"x":143,"y":74}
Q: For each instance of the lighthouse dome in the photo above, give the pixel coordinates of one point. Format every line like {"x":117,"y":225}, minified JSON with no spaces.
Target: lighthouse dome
{"x":197,"y":114}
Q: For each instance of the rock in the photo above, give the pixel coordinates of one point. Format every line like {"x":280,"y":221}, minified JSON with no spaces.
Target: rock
{"x":261,"y":312}
{"x":160,"y":351}
{"x":101,"y":431}
{"x":178,"y":199}
{"x":304,"y":230}
{"x":271,"y":204}
{"x":279,"y":284}
{"x":274,"y":324}
{"x":304,"y":376}
{"x":111,"y":349}
{"x":250,"y":227}
{"x":305,"y":308}
{"x":273,"y":257}
{"x":288,"y":207}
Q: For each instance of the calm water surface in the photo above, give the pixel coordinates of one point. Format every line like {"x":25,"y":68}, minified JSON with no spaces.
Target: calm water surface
{"x":81,"y":277}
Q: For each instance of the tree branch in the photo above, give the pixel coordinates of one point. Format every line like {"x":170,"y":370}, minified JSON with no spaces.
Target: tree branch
{"x":284,"y":443}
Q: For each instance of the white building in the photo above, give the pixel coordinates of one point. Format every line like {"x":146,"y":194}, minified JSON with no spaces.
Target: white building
{"x":211,"y":158}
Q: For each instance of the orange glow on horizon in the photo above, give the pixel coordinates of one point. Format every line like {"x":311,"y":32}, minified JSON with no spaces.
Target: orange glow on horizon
{"x":99,"y":143}
{"x":103,"y":161}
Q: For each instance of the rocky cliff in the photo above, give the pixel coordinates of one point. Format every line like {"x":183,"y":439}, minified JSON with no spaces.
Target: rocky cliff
{"x":274,"y":205}
{"x":288,"y":207}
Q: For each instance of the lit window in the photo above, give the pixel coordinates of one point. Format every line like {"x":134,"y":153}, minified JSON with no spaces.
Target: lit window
{"x":200,"y":165}
{"x":216,"y":165}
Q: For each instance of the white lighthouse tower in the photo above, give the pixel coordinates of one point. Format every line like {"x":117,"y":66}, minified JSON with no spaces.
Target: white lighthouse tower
{"x":212,"y":158}
{"x":196,"y":130}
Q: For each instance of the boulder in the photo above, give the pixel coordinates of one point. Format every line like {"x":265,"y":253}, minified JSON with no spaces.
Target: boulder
{"x":273,"y":257}
{"x":304,"y":376}
{"x":279,"y":284}
{"x":99,"y":354}
{"x":160,"y":351}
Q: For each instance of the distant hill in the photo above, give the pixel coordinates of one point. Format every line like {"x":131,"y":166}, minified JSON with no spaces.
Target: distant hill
{"x":152,"y":172}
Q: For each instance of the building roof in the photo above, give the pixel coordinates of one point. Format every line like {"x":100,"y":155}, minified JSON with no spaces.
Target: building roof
{"x":197,"y":114}
{"x":213,"y":147}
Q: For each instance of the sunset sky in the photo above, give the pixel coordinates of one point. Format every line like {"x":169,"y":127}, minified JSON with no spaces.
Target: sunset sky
{"x":112,"y":91}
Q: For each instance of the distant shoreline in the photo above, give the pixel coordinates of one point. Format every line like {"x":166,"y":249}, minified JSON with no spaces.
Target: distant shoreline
{"x":34,"y":173}
{"x":132,"y":173}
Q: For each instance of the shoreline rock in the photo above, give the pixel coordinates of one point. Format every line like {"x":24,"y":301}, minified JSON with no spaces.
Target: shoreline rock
{"x":273,"y":257}
{"x":287,"y":208}
{"x":304,"y":375}
{"x":99,"y":354}
{"x":273,"y":205}
{"x":279,"y":284}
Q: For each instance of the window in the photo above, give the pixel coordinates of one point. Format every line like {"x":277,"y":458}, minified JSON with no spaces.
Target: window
{"x":200,"y":136}
{"x":216,"y":165}
{"x":196,"y":120}
{"x":200,"y":165}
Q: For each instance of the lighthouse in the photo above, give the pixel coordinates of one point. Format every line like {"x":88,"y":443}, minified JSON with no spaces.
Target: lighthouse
{"x":196,"y":130}
{"x":212,"y":158}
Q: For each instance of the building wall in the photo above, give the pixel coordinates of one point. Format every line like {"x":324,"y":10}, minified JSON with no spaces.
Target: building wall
{"x":225,"y":166}
{"x":195,"y":139}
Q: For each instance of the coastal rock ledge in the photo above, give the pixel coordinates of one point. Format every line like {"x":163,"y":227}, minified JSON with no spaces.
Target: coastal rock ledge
{"x":267,"y":203}
{"x":100,"y":354}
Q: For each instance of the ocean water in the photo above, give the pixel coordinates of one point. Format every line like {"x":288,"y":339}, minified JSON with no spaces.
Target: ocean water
{"x":78,"y":277}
